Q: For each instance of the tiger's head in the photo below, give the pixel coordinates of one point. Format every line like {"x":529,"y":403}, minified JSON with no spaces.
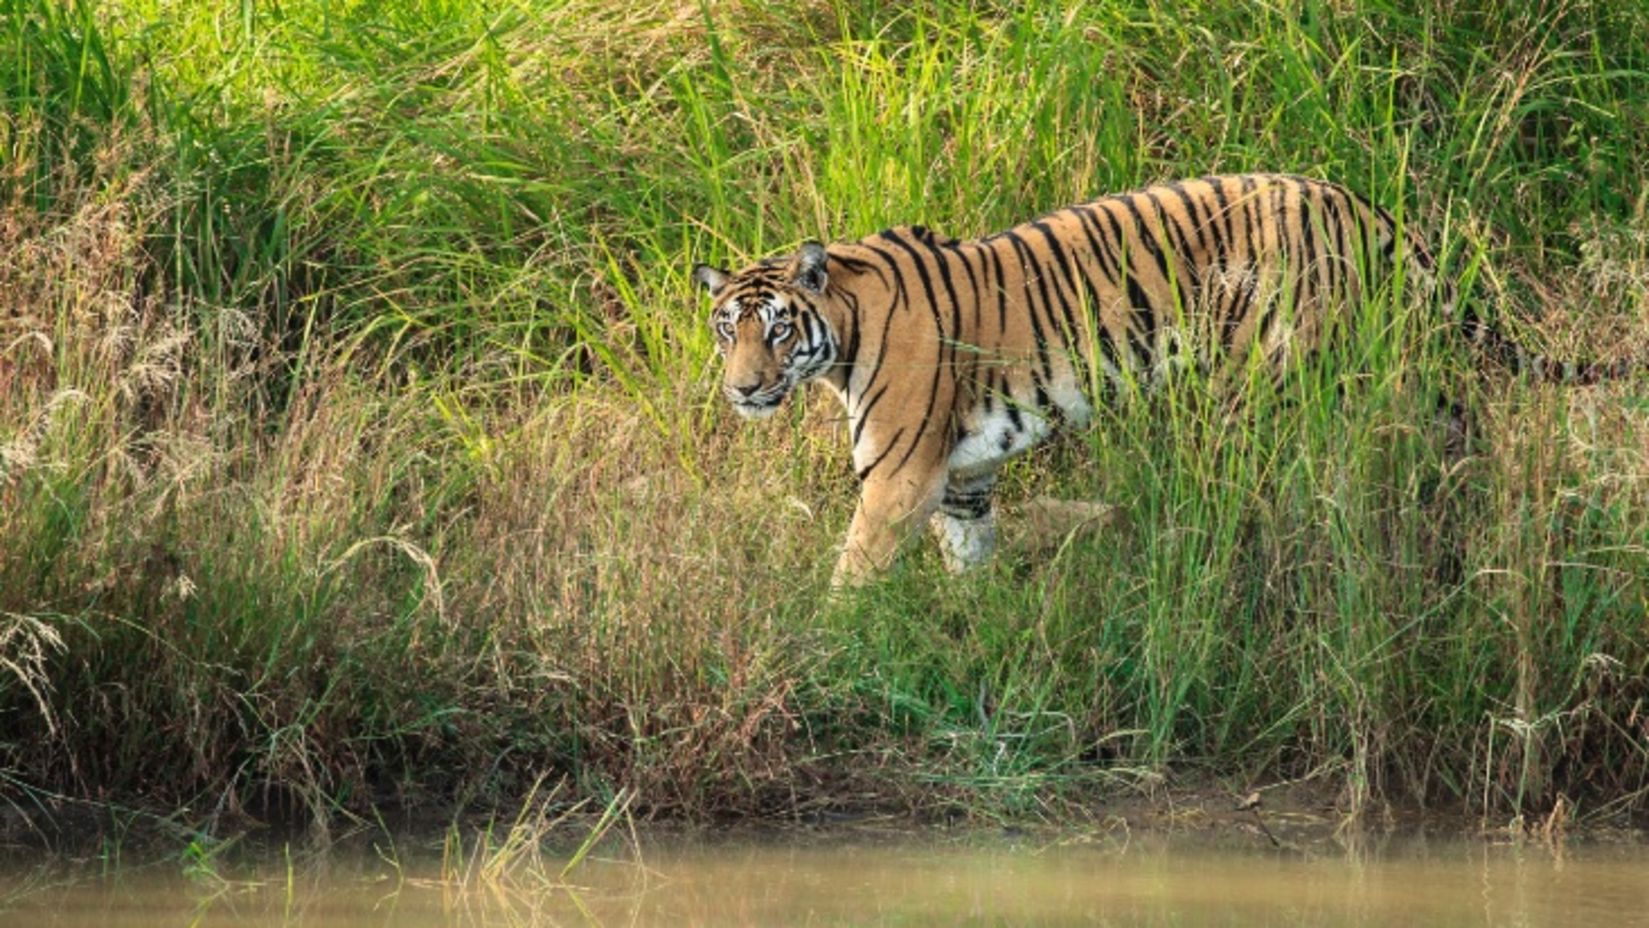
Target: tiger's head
{"x":770,"y":329}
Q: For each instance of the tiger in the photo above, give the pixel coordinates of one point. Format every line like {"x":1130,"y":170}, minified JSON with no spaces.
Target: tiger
{"x":951,"y":357}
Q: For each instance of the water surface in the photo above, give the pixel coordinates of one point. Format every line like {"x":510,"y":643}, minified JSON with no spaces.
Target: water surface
{"x":831,"y":880}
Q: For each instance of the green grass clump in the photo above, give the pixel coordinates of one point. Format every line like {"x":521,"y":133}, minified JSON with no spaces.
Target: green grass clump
{"x":359,"y":444}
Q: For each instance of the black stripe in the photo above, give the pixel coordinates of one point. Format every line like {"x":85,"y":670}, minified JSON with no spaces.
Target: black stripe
{"x":899,"y":295}
{"x":1174,"y":232}
{"x":1001,"y":289}
{"x":1224,"y":205}
{"x":1344,"y":267}
{"x":850,"y":351}
{"x":1250,"y":209}
{"x":1308,"y":237}
{"x":865,"y":472}
{"x":1141,"y":304}
{"x":1139,"y":300}
{"x":1285,"y":240}
{"x":968,"y":505}
{"x":1148,"y":241}
{"x":1096,"y":247}
{"x":964,"y":255}
{"x":1239,"y":308}
{"x":1027,"y":265}
{"x":858,"y":266}
{"x":922,"y":274}
{"x":863,"y":413}
{"x":1200,"y":224}
{"x":804,"y":321}
{"x":1111,"y":265}
{"x":950,"y":290}
{"x":1060,"y":262}
{"x":1144,"y":236}
{"x":946,"y":346}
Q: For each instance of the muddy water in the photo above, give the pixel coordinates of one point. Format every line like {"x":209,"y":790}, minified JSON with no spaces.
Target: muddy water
{"x":809,"y":881}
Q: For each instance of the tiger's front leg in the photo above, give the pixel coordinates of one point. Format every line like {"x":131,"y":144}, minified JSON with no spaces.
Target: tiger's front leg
{"x":889,"y":508}
{"x":965,"y":522}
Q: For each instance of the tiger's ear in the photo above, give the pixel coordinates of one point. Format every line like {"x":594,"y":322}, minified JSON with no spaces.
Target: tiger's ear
{"x":711,"y":279}
{"x":807,"y":270}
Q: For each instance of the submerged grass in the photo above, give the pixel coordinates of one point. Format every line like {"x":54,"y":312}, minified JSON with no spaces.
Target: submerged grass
{"x":359,"y":446}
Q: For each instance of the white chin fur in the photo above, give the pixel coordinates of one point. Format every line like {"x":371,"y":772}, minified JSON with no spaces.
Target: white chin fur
{"x":755,"y":410}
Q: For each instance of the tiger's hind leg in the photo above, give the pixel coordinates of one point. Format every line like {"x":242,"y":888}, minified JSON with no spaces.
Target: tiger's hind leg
{"x":1446,"y":495}
{"x":1458,"y":420}
{"x":965,"y":522}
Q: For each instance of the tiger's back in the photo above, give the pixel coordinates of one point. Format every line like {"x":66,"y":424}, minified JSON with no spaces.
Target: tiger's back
{"x":1035,"y":323}
{"x":952,"y":356}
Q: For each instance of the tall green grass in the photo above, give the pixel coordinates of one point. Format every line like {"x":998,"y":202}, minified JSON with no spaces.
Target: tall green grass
{"x":360,"y":445}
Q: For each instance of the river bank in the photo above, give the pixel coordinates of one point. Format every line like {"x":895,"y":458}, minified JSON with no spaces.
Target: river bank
{"x":360,"y":451}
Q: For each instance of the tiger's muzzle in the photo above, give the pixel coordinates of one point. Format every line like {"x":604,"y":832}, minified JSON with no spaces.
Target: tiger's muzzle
{"x":757,"y":401}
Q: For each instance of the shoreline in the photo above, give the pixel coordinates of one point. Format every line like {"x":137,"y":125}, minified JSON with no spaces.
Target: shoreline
{"x":1285,"y":818}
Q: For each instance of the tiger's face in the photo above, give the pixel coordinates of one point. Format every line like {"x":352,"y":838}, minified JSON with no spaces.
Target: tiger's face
{"x":768,"y":328}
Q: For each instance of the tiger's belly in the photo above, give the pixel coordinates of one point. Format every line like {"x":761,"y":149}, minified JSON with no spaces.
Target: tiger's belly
{"x":994,"y":430}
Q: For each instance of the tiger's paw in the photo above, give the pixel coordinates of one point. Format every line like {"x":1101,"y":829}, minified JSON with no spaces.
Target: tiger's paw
{"x":964,"y":543}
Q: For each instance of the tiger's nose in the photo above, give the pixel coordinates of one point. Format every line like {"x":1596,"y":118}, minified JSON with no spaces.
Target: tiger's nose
{"x":746,"y":389}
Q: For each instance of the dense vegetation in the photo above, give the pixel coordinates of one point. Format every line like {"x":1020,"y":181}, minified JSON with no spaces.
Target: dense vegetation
{"x":359,"y":443}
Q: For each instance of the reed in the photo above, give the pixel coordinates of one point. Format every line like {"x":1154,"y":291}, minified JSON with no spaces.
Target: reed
{"x":359,"y":447}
